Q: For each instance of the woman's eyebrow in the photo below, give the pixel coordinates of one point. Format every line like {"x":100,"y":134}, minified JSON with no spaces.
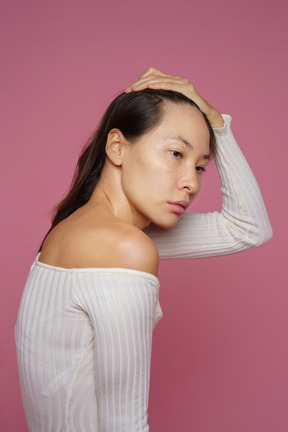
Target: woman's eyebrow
{"x":189,"y":145}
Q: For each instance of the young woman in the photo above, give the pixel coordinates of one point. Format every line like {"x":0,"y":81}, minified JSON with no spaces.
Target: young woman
{"x":85,"y":322}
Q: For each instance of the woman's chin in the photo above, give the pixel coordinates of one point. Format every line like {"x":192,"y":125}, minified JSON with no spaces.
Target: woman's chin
{"x":167,"y":224}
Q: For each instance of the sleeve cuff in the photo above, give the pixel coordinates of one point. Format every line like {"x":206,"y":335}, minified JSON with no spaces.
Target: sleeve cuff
{"x":227,"y":123}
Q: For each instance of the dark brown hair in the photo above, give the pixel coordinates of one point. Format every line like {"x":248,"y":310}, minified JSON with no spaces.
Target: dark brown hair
{"x":133,"y":114}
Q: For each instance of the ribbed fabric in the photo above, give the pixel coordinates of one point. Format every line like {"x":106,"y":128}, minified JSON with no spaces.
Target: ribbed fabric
{"x":83,"y":336}
{"x":243,"y":222}
{"x":83,"y":341}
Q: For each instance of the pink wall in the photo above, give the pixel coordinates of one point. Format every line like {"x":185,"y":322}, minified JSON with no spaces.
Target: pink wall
{"x":220,"y":354}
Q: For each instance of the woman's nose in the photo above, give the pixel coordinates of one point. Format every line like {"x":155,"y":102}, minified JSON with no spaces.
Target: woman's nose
{"x":191,"y":182}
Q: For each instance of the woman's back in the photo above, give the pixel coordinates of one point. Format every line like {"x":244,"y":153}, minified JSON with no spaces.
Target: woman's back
{"x":83,"y":339}
{"x":85,"y":322}
{"x":94,"y":238}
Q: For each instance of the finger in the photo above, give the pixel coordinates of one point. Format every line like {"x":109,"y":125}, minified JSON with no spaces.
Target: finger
{"x":149,"y":77}
{"x":180,"y":87}
{"x":152,"y":80}
{"x":153,"y":71}
{"x":148,"y":72}
{"x":184,"y":87}
{"x":154,"y":85}
{"x":136,"y":83}
{"x":141,"y":81}
{"x":165,"y":85}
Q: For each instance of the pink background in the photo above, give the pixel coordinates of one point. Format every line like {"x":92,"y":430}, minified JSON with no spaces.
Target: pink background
{"x":220,"y":354}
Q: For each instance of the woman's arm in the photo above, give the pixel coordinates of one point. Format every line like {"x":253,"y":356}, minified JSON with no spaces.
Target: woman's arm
{"x":123,"y":308}
{"x":243,"y":222}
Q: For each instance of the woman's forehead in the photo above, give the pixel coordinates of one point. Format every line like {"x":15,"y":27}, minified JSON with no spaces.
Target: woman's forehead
{"x":184,"y":121}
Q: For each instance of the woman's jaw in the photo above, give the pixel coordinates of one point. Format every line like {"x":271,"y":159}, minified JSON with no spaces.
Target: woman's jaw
{"x":155,"y":179}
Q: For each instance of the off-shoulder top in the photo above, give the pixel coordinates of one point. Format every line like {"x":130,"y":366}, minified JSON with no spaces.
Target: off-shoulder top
{"x":84,"y":335}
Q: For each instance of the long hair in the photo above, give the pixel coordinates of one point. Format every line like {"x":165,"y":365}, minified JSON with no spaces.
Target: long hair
{"x":133,"y":114}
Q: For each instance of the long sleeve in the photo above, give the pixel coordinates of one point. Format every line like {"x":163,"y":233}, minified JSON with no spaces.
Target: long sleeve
{"x":122,"y":310}
{"x":242,"y":223}
{"x":83,"y":340}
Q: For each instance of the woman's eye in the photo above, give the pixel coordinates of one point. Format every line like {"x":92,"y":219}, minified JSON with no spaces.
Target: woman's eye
{"x":176,"y":154}
{"x":200,"y":169}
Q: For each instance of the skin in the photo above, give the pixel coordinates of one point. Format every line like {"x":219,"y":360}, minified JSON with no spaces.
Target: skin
{"x":126,"y":200}
{"x":160,"y":158}
{"x":156,"y":79}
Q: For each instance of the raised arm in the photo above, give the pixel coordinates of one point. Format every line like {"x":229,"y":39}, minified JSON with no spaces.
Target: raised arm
{"x":243,"y":222}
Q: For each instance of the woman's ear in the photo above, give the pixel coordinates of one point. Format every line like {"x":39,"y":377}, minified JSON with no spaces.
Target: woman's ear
{"x":115,"y":146}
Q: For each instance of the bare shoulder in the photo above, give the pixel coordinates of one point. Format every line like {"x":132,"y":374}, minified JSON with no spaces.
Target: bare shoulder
{"x":109,"y":243}
{"x":121,"y":246}
{"x":138,"y":251}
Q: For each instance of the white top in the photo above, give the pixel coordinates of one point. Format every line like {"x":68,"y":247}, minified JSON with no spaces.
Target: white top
{"x":83,"y":336}
{"x":243,"y":222}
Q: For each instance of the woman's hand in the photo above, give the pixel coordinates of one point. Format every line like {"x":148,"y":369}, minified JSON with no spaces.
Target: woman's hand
{"x":155,"y":79}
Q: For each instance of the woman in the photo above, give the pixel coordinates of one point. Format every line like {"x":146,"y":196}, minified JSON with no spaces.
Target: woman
{"x":90,"y":303}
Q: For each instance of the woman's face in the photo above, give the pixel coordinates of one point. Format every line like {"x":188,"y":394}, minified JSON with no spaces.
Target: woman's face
{"x":161,"y":172}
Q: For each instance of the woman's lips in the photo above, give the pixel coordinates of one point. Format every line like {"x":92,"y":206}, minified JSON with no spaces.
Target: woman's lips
{"x":179,"y":207}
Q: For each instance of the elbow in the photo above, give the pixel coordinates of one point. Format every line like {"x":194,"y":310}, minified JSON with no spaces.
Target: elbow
{"x":250,"y":234}
{"x":259,"y":236}
{"x":269,"y":233}
{"x":265,"y":235}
